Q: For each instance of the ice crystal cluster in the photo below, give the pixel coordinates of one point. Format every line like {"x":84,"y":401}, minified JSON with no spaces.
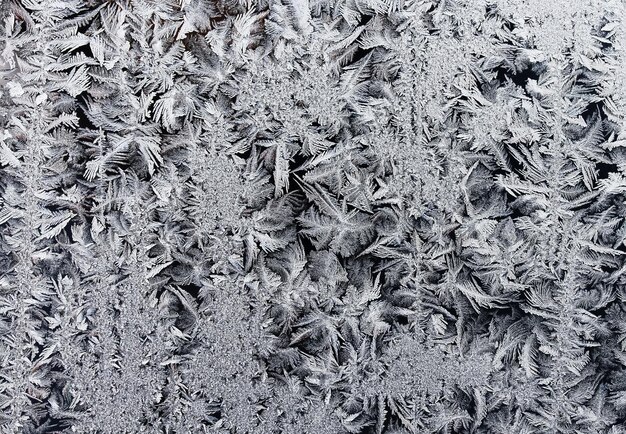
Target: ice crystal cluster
{"x":313,"y":216}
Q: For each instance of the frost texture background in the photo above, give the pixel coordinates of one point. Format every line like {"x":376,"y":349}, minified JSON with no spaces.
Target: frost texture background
{"x":309,"y":217}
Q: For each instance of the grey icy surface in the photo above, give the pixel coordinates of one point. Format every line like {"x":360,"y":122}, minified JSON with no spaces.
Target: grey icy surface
{"x":312,"y":216}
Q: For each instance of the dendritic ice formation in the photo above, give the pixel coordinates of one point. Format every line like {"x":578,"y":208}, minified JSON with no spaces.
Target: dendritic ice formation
{"x":313,"y":216}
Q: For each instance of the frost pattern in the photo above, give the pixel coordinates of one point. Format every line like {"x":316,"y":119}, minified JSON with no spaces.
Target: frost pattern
{"x":312,"y":216}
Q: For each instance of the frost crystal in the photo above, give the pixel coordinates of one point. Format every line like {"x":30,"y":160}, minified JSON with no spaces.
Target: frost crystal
{"x":312,"y":216}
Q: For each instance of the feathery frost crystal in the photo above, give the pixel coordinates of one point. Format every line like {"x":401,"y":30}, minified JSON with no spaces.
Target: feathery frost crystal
{"x":312,"y":216}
